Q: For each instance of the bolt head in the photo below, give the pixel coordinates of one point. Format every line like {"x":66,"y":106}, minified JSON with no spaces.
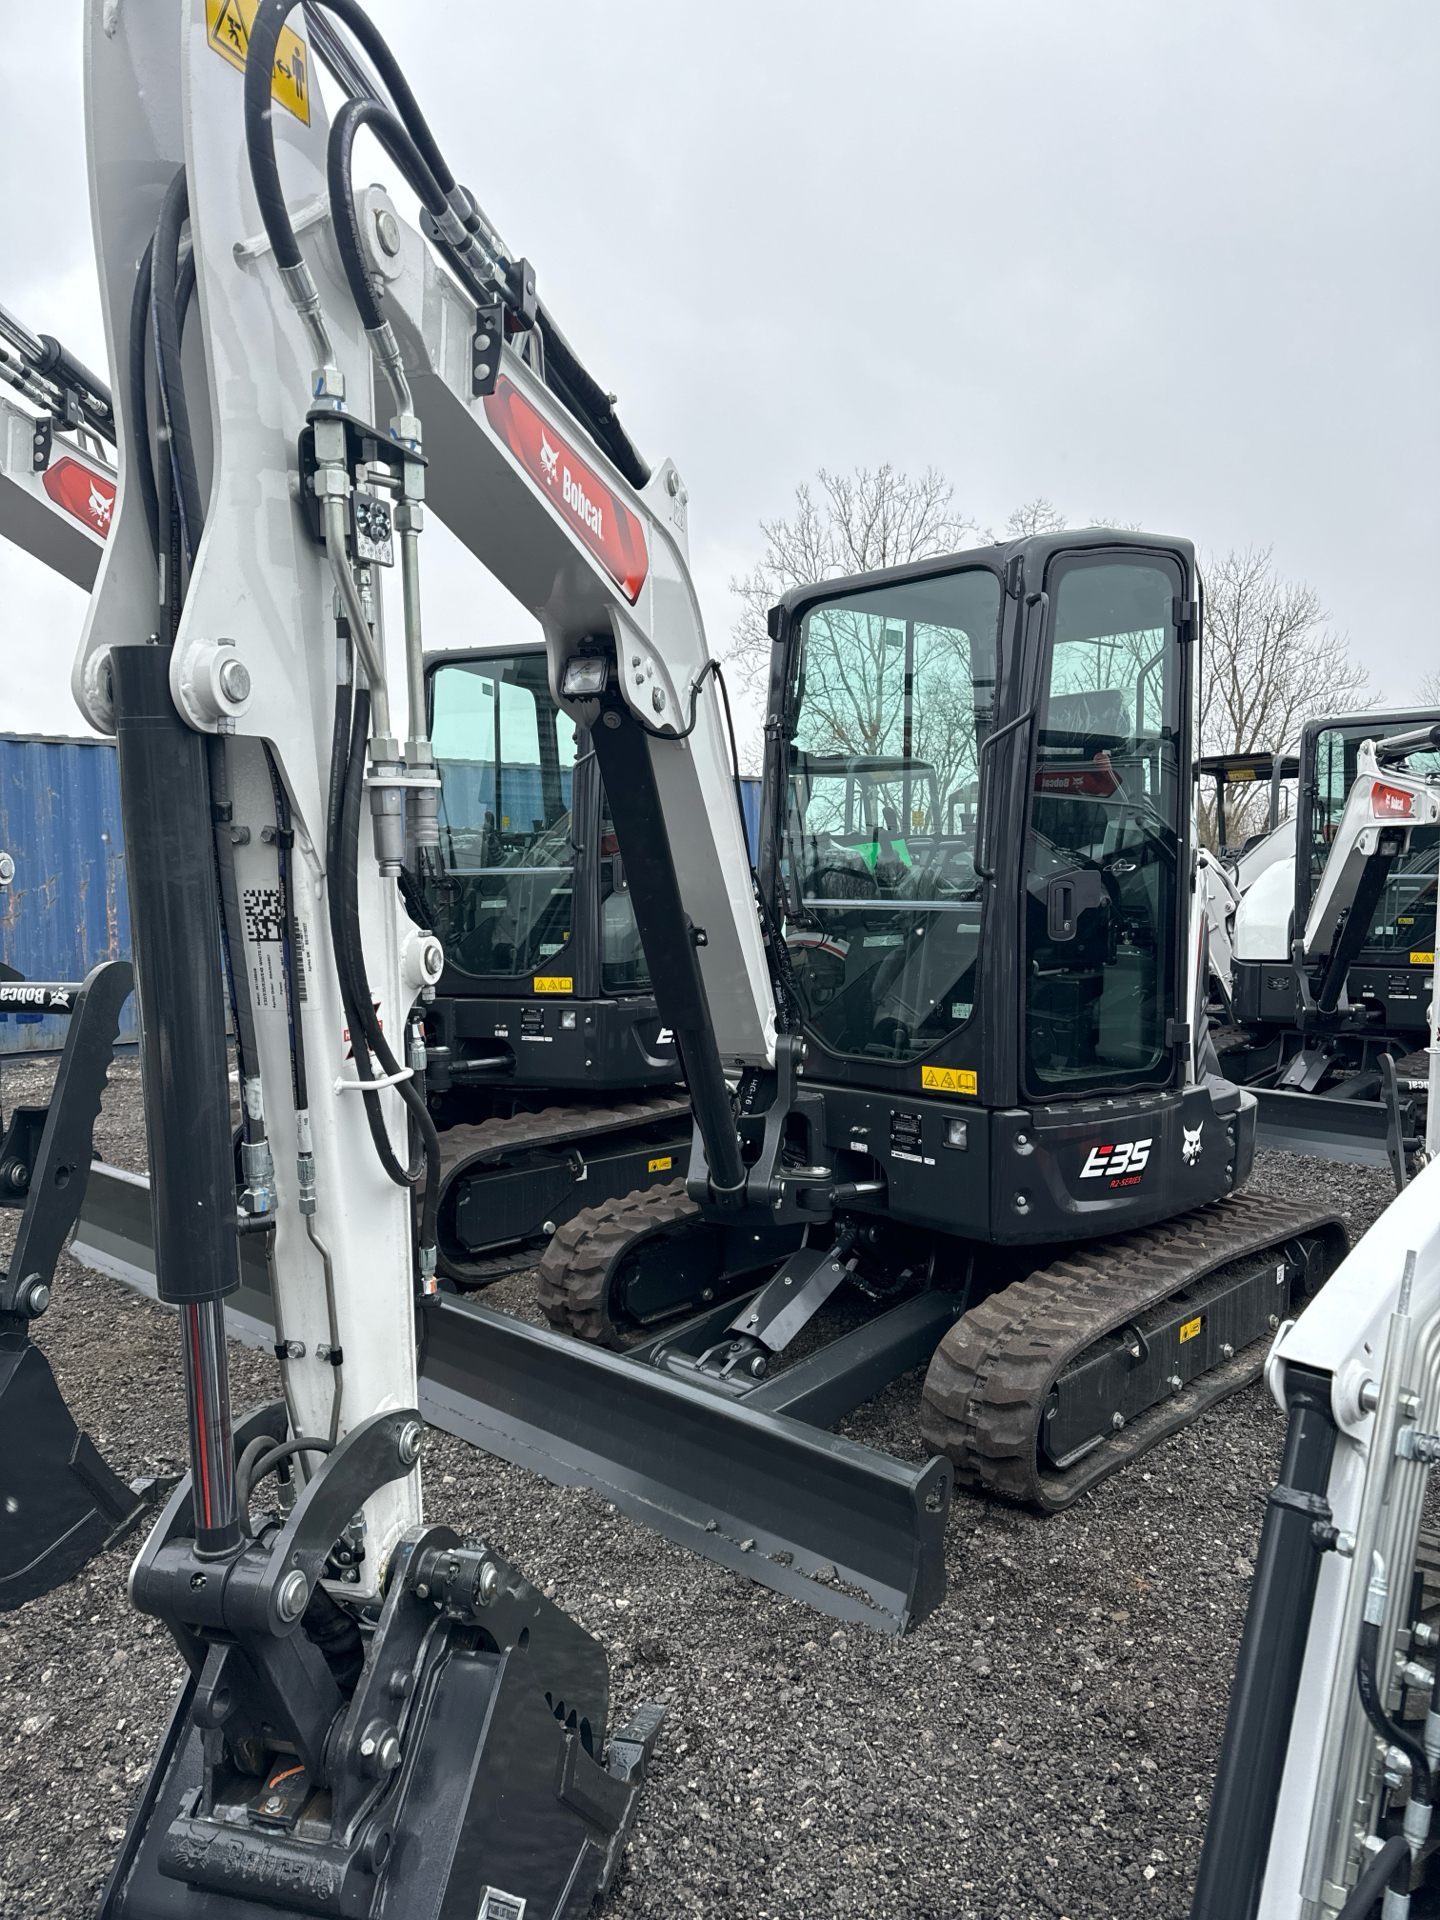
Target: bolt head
{"x":293,"y":1596}
{"x":235,"y":680}
{"x":387,"y":232}
{"x":1117,"y":1421}
{"x":389,"y":1752}
{"x":657,"y":699}
{"x":367,"y":1746}
{"x":412,"y":1436}
{"x":488,"y":1585}
{"x":35,"y":1297}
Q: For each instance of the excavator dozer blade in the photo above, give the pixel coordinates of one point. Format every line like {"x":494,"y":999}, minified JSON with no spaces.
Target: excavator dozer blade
{"x":59,"y":1502}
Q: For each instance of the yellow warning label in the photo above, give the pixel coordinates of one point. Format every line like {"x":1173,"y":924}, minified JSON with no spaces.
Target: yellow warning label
{"x":659,"y":1166}
{"x":949,"y":1079}
{"x":229,"y":23}
{"x":1422,"y":959}
{"x":1190,"y":1329}
{"x":1240,"y":776}
{"x":554,"y":983}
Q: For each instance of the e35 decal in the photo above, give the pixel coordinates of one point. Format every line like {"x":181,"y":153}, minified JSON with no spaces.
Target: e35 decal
{"x":1122,"y":1165}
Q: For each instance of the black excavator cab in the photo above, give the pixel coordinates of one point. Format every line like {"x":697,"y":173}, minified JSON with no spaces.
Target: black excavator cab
{"x":549,"y":1071}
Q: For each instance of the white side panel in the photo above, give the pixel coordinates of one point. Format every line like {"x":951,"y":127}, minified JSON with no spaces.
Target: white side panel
{"x":1264,"y":915}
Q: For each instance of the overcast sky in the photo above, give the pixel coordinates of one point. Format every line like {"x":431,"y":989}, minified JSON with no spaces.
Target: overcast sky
{"x":1170,"y":263}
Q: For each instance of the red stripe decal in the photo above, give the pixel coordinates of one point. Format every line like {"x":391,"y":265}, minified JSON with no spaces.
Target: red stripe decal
{"x":581,"y":498}
{"x":90,"y":497}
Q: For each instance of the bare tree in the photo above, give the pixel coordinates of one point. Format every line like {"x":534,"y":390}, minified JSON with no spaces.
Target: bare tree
{"x":1427,"y":689}
{"x":1269,"y":663}
{"x":1034,"y":516}
{"x":862,"y":521}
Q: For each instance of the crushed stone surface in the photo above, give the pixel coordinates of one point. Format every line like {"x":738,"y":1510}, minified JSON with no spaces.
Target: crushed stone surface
{"x":1043,"y":1745}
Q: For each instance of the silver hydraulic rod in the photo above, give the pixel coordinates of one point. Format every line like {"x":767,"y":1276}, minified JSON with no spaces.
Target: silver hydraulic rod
{"x":414,"y":641}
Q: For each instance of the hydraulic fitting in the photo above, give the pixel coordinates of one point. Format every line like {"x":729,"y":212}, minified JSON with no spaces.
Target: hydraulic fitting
{"x":387,"y":816}
{"x":305,"y":1172}
{"x":257,"y":1165}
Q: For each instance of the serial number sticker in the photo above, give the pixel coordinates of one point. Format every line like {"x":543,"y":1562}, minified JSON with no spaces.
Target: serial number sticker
{"x":1190,"y":1329}
{"x":1422,"y":959}
{"x":554,"y":983}
{"x":662,"y":1165}
{"x":949,"y":1079}
{"x":228,"y":24}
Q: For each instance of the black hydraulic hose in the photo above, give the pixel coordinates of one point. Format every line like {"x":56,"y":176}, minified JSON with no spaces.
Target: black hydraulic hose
{"x":247,"y":1052}
{"x":272,"y":1457}
{"x":1372,"y":1701}
{"x":1373,"y":1881}
{"x":265,"y":33}
{"x":392,"y":136}
{"x":290,"y":957}
{"x":369,"y":1031}
{"x":141,"y":458}
{"x":349,"y":950}
{"x":185,"y":292}
{"x":165,"y":275}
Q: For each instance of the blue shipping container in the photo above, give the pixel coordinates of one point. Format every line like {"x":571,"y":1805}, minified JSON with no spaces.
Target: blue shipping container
{"x":66,"y":908}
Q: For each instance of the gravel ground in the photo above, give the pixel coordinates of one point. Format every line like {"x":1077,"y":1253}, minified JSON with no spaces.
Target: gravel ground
{"x":1042,"y":1746}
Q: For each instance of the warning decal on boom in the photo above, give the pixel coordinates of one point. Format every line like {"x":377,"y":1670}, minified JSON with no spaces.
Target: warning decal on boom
{"x":228,"y":24}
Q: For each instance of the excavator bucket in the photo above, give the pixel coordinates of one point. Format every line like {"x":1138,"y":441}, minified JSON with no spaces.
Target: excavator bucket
{"x":59,"y":1502}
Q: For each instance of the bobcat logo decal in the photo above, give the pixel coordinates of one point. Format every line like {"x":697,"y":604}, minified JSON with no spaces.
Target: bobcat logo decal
{"x":1191,"y":1147}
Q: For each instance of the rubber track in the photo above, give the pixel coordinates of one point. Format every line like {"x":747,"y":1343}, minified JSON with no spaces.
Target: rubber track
{"x":986,"y":1387}
{"x":465,"y":1148}
{"x":583,"y":1253}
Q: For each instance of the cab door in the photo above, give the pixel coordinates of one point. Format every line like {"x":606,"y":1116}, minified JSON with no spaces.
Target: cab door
{"x":1103,"y":905}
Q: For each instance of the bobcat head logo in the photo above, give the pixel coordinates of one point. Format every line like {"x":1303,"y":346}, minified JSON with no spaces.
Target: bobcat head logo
{"x":1191,"y":1147}
{"x":549,"y":458}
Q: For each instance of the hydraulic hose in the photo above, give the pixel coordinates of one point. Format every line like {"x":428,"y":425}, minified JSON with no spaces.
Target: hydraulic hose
{"x":165,"y":274}
{"x":1389,"y":1730}
{"x":470,"y":245}
{"x":290,"y":960}
{"x":368,"y":1032}
{"x":1394,"y":1855}
{"x":392,"y":136}
{"x":333,"y":521}
{"x":141,"y":457}
{"x":242,"y":1010}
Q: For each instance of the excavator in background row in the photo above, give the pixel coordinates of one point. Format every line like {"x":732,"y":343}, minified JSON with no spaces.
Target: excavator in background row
{"x":1321,"y":963}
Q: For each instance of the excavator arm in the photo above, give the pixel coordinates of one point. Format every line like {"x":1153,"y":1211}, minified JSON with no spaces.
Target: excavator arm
{"x":1385,"y":804}
{"x":57,"y":495}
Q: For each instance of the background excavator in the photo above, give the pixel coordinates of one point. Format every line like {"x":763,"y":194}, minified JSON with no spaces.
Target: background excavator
{"x":1322,"y":938}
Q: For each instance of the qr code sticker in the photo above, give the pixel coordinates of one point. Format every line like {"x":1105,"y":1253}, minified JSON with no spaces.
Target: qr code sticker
{"x":264,"y":914}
